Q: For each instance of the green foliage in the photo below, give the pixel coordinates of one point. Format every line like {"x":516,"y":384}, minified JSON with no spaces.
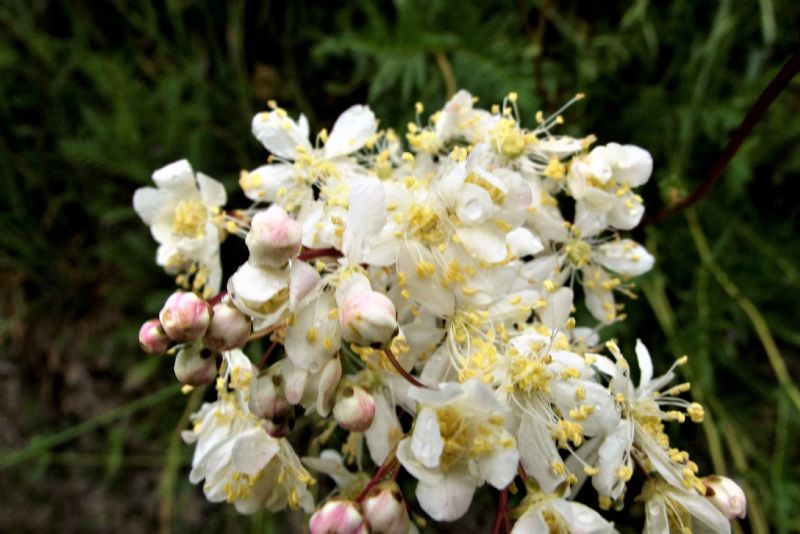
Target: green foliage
{"x":97,"y":95}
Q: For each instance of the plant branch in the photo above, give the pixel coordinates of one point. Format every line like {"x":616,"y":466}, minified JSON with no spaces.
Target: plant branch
{"x":767,"y":97}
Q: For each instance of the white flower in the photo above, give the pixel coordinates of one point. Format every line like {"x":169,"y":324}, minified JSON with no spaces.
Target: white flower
{"x":181,"y":214}
{"x":602,"y":183}
{"x":458,"y":443}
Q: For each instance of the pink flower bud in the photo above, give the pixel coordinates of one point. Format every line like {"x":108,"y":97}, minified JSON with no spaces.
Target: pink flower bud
{"x":267,"y":398}
{"x":354,"y":409}
{"x":195,"y":365}
{"x":152,"y":337}
{"x":338,"y":517}
{"x":229,"y":328}
{"x":368,"y":319}
{"x":185,"y":316}
{"x":385,"y":510}
{"x":274,"y":237}
{"x":726,"y":495}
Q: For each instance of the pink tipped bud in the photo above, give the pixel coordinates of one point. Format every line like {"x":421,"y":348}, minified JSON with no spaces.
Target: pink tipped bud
{"x":369,"y":319}
{"x":385,"y":510}
{"x":338,"y":517}
{"x":185,"y":316}
{"x":229,"y":328}
{"x":195,"y":365}
{"x":274,"y":237}
{"x":152,"y":337}
{"x":267,"y":398}
{"x":354,"y":409}
{"x":726,"y":495}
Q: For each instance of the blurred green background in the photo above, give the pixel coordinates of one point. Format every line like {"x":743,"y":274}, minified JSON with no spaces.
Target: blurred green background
{"x":95,"y":95}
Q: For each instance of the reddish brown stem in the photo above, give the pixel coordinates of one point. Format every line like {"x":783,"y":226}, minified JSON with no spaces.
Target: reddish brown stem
{"x":266,"y":355}
{"x":501,"y":520}
{"x":213,"y":301}
{"x":388,"y":464}
{"x":311,"y":253}
{"x":767,"y":97}
{"x":265,"y":332}
{"x":399,"y":368}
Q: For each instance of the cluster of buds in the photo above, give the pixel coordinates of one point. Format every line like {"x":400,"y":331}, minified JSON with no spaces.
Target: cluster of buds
{"x":420,"y":307}
{"x":382,"y":511}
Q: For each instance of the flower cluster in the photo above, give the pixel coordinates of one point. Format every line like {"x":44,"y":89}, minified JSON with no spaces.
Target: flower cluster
{"x":420,"y":308}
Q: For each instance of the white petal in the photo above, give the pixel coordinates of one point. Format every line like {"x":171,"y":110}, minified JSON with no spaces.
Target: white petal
{"x":425,"y":290}
{"x":426,"y":441}
{"x":149,"y":201}
{"x":483,"y":242}
{"x":522,"y":242}
{"x":448,"y":500}
{"x":212,"y":192}
{"x":625,"y":215}
{"x":632,"y":164}
{"x":256,"y":285}
{"x":280,"y":134}
{"x":538,"y":453}
{"x":500,"y":468}
{"x":351,"y":131}
{"x":531,"y":522}
{"x":645,"y":364}
{"x":366,"y":216}
{"x":656,"y":521}
{"x":252,"y":450}
{"x":706,"y":519}
{"x":269,"y":183}
{"x":314,"y":336}
{"x":177,"y":177}
{"x":557,"y":311}
{"x":582,"y":519}
{"x":303,"y":280}
{"x":624,"y":256}
{"x":382,"y":434}
{"x":611,"y":456}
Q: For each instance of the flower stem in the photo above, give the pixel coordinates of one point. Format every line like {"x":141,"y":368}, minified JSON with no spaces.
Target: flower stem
{"x":399,"y":368}
{"x":501,"y":519}
{"x":388,"y":465}
{"x":311,"y":253}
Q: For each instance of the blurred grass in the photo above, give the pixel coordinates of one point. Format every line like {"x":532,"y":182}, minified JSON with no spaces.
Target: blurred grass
{"x":97,"y":95}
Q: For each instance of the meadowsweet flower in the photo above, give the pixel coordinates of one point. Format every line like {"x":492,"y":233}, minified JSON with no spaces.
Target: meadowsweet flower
{"x":726,"y":495}
{"x":182,"y":214}
{"x":458,"y":442}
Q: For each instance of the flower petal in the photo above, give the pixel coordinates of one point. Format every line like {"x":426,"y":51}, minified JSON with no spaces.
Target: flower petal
{"x":351,"y":131}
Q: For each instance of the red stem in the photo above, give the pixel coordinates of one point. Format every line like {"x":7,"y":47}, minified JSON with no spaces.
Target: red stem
{"x":311,"y":253}
{"x":388,"y":464}
{"x":399,"y":368}
{"x":265,"y":357}
{"x":502,"y":519}
{"x":767,"y":97}
{"x":217,"y":298}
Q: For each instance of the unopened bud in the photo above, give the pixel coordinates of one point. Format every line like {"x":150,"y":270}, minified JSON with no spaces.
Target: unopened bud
{"x":369,"y":318}
{"x":229,"y":328}
{"x":338,"y":517}
{"x":385,"y":510}
{"x":726,"y":495}
{"x":354,"y":409}
{"x":185,"y":316}
{"x":326,"y":387}
{"x":274,"y":237}
{"x":195,"y":365}
{"x":152,"y":337}
{"x":267,"y":398}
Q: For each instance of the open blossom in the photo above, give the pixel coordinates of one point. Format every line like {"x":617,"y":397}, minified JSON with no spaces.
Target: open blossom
{"x":181,"y":214}
{"x":458,"y":443}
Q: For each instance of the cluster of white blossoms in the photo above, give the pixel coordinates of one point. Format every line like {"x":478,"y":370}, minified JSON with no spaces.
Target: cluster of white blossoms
{"x":418,"y":310}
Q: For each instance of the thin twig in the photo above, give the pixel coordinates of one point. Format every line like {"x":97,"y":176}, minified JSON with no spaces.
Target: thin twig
{"x":266,"y":355}
{"x":388,"y":464}
{"x":501,"y":519}
{"x":767,"y":97}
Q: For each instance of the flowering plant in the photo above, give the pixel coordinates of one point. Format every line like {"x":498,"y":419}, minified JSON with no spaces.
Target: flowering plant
{"x":425,"y":303}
